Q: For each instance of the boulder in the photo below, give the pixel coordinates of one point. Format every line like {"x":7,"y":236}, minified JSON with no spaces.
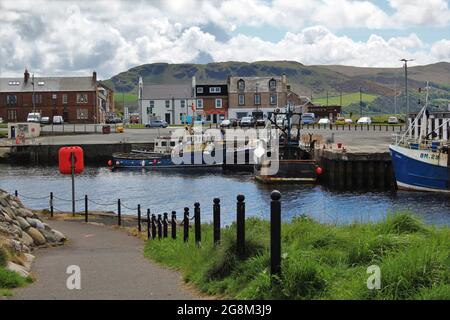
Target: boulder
{"x":35,"y":223}
{"x":23,"y":223}
{"x":59,"y":235}
{"x":29,"y":258}
{"x":24,"y":213}
{"x":11,"y":266}
{"x":38,"y":238}
{"x":10,"y":212}
{"x":26,"y":239}
{"x":49,"y":236}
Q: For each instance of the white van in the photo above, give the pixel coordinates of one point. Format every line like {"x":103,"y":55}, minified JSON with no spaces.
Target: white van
{"x":58,"y":120}
{"x":34,"y":117}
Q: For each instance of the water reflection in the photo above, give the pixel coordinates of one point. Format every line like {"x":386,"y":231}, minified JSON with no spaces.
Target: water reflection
{"x":173,"y":190}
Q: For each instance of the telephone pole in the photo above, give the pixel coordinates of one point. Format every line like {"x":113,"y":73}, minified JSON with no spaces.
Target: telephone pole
{"x":405,"y":64}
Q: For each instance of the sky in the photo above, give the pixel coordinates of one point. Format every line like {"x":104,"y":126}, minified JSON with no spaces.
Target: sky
{"x":111,"y":36}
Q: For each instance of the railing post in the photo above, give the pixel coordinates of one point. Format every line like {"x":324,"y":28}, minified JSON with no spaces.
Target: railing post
{"x":275,"y":232}
{"x":16,"y":193}
{"x":119,"y":212}
{"x":86,"y":212}
{"x":51,"y":204}
{"x":139,"y":217}
{"x":159,"y":223}
{"x":186,"y":224}
{"x":198,"y":229}
{"x":165,"y":218}
{"x":174,"y":225}
{"x":240,"y":225}
{"x":216,"y":220}
{"x":148,"y":223}
{"x":153,"y":226}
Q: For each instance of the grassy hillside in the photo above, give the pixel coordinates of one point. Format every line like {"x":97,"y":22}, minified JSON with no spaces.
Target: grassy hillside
{"x":347,"y":99}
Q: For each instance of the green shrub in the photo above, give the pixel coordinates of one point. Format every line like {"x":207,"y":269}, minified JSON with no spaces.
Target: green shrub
{"x":403,"y":223}
{"x":9,"y":279}
{"x":3,"y":257}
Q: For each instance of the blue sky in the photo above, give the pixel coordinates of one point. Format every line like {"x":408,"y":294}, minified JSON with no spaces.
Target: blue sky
{"x":111,"y":36}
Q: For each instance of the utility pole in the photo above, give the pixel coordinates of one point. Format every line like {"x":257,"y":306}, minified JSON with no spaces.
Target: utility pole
{"x":340,"y":99}
{"x":360,"y":101}
{"x":327,"y":98}
{"x":405,"y":64}
{"x":395,"y":96}
{"x":33,"y":97}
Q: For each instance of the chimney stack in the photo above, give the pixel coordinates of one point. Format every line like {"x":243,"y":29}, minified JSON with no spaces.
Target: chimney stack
{"x":26,"y":76}
{"x":94,"y":77}
{"x":283,"y":78}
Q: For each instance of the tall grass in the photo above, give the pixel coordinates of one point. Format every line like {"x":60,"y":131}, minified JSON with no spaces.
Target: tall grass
{"x":319,"y":261}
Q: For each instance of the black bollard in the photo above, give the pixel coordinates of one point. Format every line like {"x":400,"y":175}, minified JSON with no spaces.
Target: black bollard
{"x":198,"y":228}
{"x":139,"y":217}
{"x":216,"y":220}
{"x":86,"y":210}
{"x":174,"y":225}
{"x":275,"y":232}
{"x":186,"y":224}
{"x":119,"y":213}
{"x":16,"y":193}
{"x":165,"y":219}
{"x":159,"y":224}
{"x":51,"y":204}
{"x":153,"y":226}
{"x":240,"y":225}
{"x":148,"y":223}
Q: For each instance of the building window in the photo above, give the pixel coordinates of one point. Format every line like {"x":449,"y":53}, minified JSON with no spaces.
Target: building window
{"x":272,"y":84}
{"x":241,"y":85}
{"x":241,"y":99}
{"x":152,"y":103}
{"x":167,"y":103}
{"x":183,"y":103}
{"x":149,"y":110}
{"x":37,"y":98}
{"x":199,"y":89}
{"x":199,"y":103}
{"x":82,"y":114}
{"x":11,"y":99}
{"x":214,"y":90}
{"x":218,"y":103}
{"x":181,"y":116}
{"x":82,"y":98}
{"x":64,"y":98}
{"x":257,"y":99}
{"x":273,"y":99}
{"x":12,"y":115}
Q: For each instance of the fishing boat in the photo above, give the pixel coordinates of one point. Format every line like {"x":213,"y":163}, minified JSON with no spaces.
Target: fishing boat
{"x":420,"y":158}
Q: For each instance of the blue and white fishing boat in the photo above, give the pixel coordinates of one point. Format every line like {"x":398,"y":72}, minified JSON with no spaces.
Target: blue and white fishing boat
{"x":420,"y":156}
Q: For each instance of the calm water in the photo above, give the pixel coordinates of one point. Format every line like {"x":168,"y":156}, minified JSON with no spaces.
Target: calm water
{"x":166,"y":191}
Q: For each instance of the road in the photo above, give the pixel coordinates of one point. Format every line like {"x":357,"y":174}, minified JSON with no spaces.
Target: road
{"x":112,"y":267}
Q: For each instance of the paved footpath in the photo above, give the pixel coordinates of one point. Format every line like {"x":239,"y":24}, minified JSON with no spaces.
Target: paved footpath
{"x":112,"y":267}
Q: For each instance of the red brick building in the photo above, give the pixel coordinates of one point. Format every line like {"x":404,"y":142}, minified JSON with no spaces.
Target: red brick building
{"x":76,"y":99}
{"x":212,"y":101}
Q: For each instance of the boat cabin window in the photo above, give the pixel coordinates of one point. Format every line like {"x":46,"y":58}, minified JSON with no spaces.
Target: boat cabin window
{"x":164,"y":143}
{"x":172,"y":143}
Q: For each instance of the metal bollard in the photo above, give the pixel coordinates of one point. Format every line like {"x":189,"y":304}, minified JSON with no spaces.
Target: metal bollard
{"x":275,"y":232}
{"x":139,"y":217}
{"x":216,"y":220}
{"x":16,"y":193}
{"x":86,"y":212}
{"x":119,"y":212}
{"x":174,"y":225}
{"x":197,"y":224}
{"x":186,"y":224}
{"x":51,"y":204}
{"x":159,"y":224}
{"x":240,"y":225}
{"x":153,"y":226}
{"x":148,"y":223}
{"x":165,"y":225}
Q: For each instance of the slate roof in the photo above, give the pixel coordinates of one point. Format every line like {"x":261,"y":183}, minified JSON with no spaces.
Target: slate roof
{"x":46,"y":84}
{"x":252,"y":82}
{"x":167,"y":91}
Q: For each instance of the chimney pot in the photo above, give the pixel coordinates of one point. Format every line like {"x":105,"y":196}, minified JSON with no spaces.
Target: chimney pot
{"x":94,"y":76}
{"x":26,"y":76}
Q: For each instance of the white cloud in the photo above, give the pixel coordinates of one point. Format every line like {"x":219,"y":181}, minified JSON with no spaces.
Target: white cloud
{"x":420,"y":12}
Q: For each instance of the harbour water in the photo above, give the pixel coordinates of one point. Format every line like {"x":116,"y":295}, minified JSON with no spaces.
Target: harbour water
{"x":164,"y":191}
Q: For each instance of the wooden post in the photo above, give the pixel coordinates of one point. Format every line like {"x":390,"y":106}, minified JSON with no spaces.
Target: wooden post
{"x":174,"y":225}
{"x":51,"y":204}
{"x":86,"y":212}
{"x":275,"y":233}
{"x":153,"y":226}
{"x":148,"y":223}
{"x":159,"y":224}
{"x":165,"y":225}
{"x":16,"y":193}
{"x":198,"y":227}
{"x":216,"y":220}
{"x":240,"y":225}
{"x":139,"y":217}
{"x":186,"y":224}
{"x":119,"y":213}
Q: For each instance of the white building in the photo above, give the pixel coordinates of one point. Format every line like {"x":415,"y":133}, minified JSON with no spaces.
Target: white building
{"x":169,"y":102}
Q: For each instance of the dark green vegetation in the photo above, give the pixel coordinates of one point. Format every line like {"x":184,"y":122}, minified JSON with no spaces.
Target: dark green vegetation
{"x":319,"y":261}
{"x":313,"y":81}
{"x":8,"y":279}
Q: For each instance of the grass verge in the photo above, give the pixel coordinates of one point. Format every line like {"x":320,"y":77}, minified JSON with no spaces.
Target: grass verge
{"x":9,"y":279}
{"x":319,"y":261}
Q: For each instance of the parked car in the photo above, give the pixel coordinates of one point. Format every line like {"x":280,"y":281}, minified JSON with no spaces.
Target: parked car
{"x":34,"y":117}
{"x":225,"y":123}
{"x":1,"y":120}
{"x":114,"y":120}
{"x":324,"y":121}
{"x":156,"y":124}
{"x":364,"y":120}
{"x":234,"y":122}
{"x":247,"y":122}
{"x":45,"y":120}
{"x":260,"y":122}
{"x":58,"y":120}
{"x":348,"y":121}
{"x":308,"y":118}
{"x":392,"y":120}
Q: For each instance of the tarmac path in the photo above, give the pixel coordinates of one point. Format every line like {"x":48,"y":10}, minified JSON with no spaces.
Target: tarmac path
{"x":112,"y":266}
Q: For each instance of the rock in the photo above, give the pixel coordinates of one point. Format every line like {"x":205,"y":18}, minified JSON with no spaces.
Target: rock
{"x":35,"y":223}
{"x":23,"y":223}
{"x":10,"y":229}
{"x":29,"y":260}
{"x":59,"y":236}
{"x":47,"y":227}
{"x":24,"y":213}
{"x":4,"y":203}
{"x":10,"y":212}
{"x":11,"y":266}
{"x":26,"y":239}
{"x":49,"y":236}
{"x":38,"y":238}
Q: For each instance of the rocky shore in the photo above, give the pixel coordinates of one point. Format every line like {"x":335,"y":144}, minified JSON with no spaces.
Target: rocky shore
{"x":22,"y":230}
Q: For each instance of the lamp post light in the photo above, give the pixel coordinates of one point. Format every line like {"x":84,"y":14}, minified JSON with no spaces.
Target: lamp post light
{"x":405,"y":65}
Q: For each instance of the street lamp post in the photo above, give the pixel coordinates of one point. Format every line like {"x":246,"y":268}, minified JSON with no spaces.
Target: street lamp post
{"x":405,"y":64}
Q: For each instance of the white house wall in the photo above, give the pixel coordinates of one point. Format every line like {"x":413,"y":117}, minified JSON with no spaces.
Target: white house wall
{"x":160,"y":110}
